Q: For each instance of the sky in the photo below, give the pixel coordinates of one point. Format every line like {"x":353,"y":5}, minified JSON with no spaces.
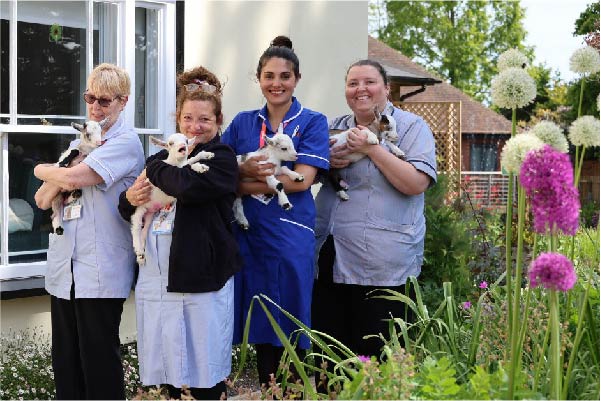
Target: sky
{"x":550,"y":24}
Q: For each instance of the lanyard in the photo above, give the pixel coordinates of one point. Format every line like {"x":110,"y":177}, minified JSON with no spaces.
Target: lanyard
{"x":264,"y":132}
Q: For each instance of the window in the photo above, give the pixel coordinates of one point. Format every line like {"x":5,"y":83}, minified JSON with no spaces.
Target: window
{"x":483,"y":157}
{"x":47,"y":50}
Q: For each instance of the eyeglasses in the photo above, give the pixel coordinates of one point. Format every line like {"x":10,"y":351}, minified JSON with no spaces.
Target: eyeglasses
{"x":200,"y":85}
{"x":102,"y":101}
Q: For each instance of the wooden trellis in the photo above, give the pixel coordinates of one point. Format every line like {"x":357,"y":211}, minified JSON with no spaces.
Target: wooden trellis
{"x":444,"y":119}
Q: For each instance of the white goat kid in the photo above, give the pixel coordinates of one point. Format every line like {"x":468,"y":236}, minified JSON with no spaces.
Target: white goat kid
{"x":381,"y":130}
{"x":278,"y":148}
{"x":178,"y":147}
{"x":90,"y":139}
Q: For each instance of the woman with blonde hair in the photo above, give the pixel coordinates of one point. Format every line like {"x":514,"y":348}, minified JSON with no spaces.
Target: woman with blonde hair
{"x":91,"y":266}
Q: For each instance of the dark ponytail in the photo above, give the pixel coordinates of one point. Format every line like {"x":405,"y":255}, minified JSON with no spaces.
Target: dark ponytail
{"x":281,"y":47}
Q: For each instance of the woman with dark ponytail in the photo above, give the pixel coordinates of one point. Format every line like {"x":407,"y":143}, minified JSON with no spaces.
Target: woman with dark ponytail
{"x":278,"y":246}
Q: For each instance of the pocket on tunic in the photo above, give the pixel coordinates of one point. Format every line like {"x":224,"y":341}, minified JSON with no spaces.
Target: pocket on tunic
{"x":397,"y":251}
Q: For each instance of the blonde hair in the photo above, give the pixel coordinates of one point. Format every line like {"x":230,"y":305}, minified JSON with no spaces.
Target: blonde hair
{"x":109,"y":79}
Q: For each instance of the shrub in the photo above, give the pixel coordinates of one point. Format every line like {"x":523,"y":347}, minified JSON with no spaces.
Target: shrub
{"x":26,"y":371}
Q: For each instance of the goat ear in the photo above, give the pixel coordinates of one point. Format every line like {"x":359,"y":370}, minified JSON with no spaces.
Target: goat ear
{"x":377,"y":113}
{"x":158,"y":142}
{"x":281,"y":129}
{"x":103,"y":122}
{"x":269,"y":141}
{"x":78,"y":127}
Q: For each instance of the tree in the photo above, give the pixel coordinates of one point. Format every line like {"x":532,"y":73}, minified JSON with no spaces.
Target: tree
{"x":588,"y":25}
{"x":458,"y":40}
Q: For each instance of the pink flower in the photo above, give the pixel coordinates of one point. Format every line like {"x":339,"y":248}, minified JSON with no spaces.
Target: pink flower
{"x":466,"y":305}
{"x":483,"y":284}
{"x":363,"y":358}
{"x":552,"y":271}
{"x":547,"y":176}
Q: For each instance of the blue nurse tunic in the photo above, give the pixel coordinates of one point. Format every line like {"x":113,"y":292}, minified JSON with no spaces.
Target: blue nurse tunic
{"x":278,"y":247}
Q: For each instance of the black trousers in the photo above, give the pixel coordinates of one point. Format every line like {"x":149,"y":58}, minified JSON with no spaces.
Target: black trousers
{"x":212,"y":393}
{"x":346,"y":311}
{"x":85,"y":348}
{"x":268,"y":361}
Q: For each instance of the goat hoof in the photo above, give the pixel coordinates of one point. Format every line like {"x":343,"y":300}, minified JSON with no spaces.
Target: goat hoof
{"x":343,"y":195}
{"x":141,"y":259}
{"x":59,"y":231}
{"x":76,"y":193}
{"x":286,"y":206}
{"x":244,"y":226}
{"x":300,"y":178}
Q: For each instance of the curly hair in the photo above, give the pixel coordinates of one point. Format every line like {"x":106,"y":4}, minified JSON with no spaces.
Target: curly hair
{"x":183,"y":95}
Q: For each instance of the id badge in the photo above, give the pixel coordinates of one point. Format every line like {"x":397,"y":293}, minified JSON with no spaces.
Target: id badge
{"x":162,"y":225}
{"x":72,"y":211}
{"x":263,"y":198}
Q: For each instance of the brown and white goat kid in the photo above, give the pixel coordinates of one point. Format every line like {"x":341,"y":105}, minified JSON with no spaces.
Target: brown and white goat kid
{"x":177,"y":146}
{"x":278,"y":148}
{"x":90,"y":139}
{"x":381,"y":130}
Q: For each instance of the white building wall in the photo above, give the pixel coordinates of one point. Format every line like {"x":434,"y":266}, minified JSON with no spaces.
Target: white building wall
{"x":33,"y":313}
{"x":228,"y":37}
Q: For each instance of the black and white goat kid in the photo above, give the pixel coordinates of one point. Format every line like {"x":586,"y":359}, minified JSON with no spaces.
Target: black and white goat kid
{"x":90,"y":138}
{"x":177,"y":146}
{"x":381,"y":130}
{"x":278,"y":148}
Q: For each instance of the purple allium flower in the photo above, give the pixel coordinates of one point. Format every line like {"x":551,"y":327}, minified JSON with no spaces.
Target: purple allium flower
{"x":552,"y":271}
{"x":547,"y":177}
{"x":363,"y":358}
{"x":466,"y":305}
{"x":483,"y":285}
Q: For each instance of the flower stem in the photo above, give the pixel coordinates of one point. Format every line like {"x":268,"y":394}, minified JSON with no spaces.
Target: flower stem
{"x":577,"y":339}
{"x":555,"y":347}
{"x":581,"y":96}
{"x":508,"y":221}
{"x":541,"y":359}
{"x":517,"y":290}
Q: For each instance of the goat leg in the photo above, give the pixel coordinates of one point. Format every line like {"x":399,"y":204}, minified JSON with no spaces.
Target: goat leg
{"x":136,"y":231}
{"x":57,"y":204}
{"x":277,"y":186}
{"x":293,"y":175}
{"x":239,"y":214}
{"x":395,"y":150}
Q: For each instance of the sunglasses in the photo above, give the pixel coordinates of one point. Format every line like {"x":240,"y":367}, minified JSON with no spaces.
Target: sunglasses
{"x":200,"y":85}
{"x":102,"y":101}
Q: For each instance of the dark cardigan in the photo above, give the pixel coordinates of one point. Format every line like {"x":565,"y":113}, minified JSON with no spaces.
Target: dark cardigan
{"x":204,"y":253}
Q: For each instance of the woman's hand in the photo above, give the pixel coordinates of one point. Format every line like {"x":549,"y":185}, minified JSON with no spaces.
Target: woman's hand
{"x":139,"y":193}
{"x":336,"y":155}
{"x":357,"y":141}
{"x":256,"y":168}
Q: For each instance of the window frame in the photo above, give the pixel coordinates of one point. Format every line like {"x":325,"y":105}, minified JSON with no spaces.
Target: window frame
{"x":165,"y":88}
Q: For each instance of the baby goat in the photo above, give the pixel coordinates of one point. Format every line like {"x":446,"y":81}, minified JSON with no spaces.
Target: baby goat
{"x":381,"y":130}
{"x":178,"y":147}
{"x":90,"y":139}
{"x":279,"y":148}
